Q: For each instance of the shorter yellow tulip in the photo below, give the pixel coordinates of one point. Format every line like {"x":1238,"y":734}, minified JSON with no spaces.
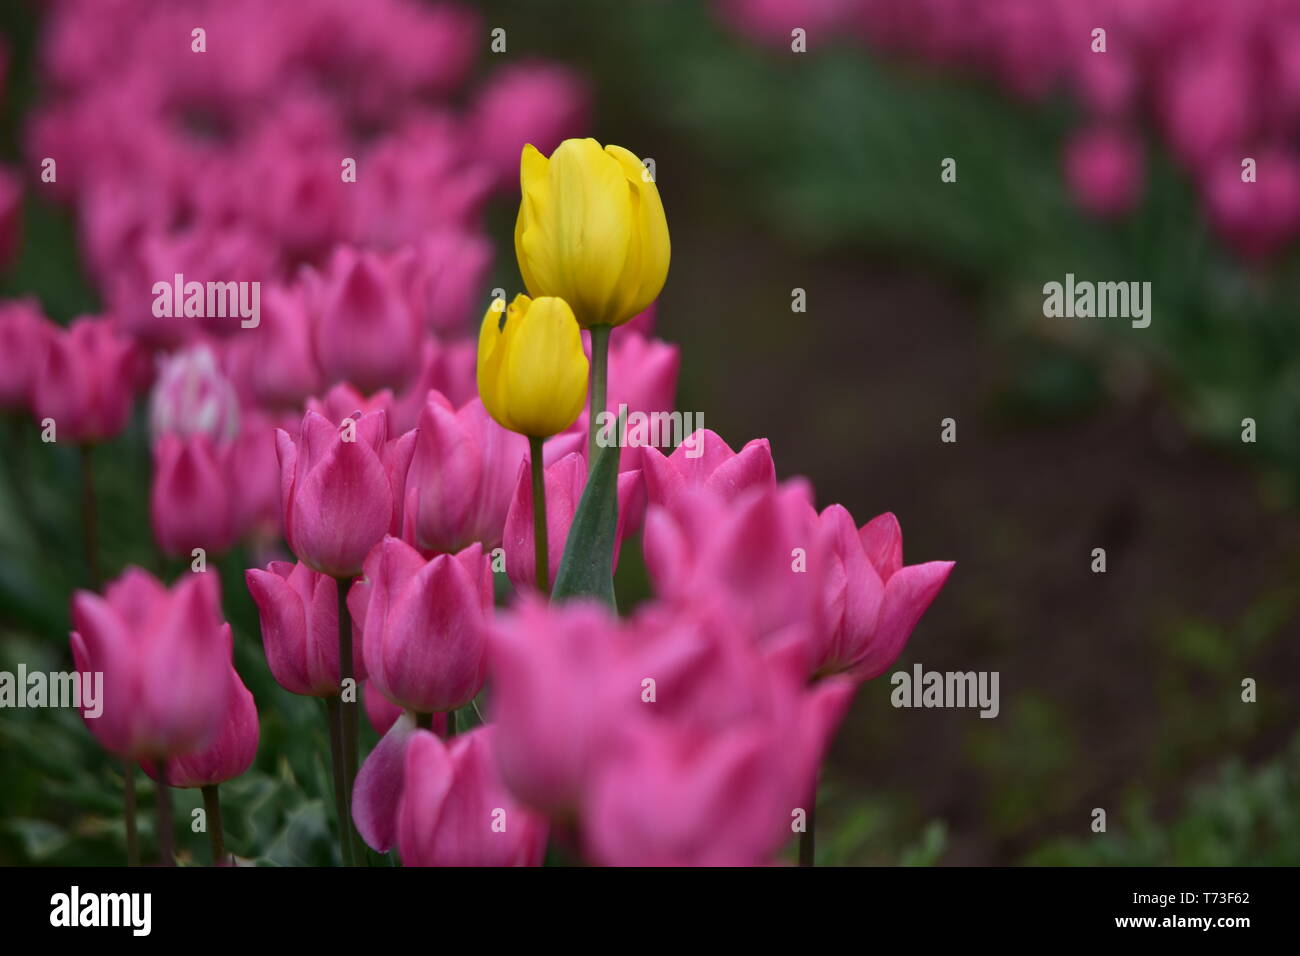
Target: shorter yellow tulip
{"x":532,"y":372}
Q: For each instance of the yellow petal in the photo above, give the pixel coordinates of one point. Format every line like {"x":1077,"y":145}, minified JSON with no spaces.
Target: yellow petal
{"x":546,"y":369}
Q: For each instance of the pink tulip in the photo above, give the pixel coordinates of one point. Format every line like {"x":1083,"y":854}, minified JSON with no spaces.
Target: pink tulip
{"x":424,"y":625}
{"x":378,"y":787}
{"x":84,"y":381}
{"x":191,"y":499}
{"x":446,"y":367}
{"x":537,"y":103}
{"x":380,"y":711}
{"x":227,"y":757}
{"x":366,"y":330}
{"x":561,"y":677}
{"x":872,"y":601}
{"x":25,"y":335}
{"x":338,"y":489}
{"x":764,"y":551}
{"x":706,"y":460}
{"x":165,"y":659}
{"x":300,"y":628}
{"x":454,"y":810}
{"x":565,"y":481}
{"x":191,"y":396}
{"x":462,"y":477}
{"x":276,"y":358}
{"x":343,"y":401}
{"x":450,"y":271}
{"x":1104,"y":169}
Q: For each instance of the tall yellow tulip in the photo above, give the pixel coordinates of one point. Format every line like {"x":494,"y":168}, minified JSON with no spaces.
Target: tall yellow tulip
{"x":591,"y":230}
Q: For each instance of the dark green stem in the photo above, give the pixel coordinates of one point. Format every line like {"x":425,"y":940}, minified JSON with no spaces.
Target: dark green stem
{"x":89,"y":517}
{"x":599,"y":376}
{"x":336,"y":766}
{"x":541,"y":552}
{"x":808,"y":839}
{"x":212,"y":810}
{"x":451,"y":724}
{"x":166,"y":856}
{"x":424,"y":721}
{"x":349,"y":713}
{"x":132,"y":833}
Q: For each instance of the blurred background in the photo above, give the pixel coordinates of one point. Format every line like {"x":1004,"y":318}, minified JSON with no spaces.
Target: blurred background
{"x":820,"y":170}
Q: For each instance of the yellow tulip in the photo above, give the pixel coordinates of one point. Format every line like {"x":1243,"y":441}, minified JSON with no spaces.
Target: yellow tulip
{"x":591,"y":230}
{"x":532,"y":372}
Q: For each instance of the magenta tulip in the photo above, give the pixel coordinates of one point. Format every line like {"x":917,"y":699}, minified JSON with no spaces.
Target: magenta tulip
{"x":191,"y":499}
{"x":705,"y":459}
{"x":25,"y":335}
{"x":424,"y":622}
{"x":454,"y":810}
{"x":84,"y":382}
{"x":227,"y":757}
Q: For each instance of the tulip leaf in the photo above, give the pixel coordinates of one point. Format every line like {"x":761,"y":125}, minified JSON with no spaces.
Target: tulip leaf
{"x":587,"y":568}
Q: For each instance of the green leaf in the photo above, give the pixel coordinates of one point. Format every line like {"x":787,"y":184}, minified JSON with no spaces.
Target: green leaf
{"x":587,"y":568}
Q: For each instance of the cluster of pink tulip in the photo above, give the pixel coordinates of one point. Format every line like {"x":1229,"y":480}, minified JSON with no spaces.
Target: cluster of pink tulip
{"x":689,"y":731}
{"x":1217,"y":81}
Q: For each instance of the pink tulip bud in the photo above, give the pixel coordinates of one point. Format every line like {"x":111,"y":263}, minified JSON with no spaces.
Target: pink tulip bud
{"x":227,"y":757}
{"x":343,"y":401}
{"x":337,"y":489}
{"x":454,"y":810}
{"x":447,"y":367}
{"x":565,"y":481}
{"x":300,"y":628}
{"x":537,"y":103}
{"x":84,"y":382}
{"x":1104,"y":169}
{"x":424,"y":625}
{"x":25,"y":336}
{"x":191,"y":499}
{"x":462,"y":477}
{"x":192,"y":396}
{"x":165,"y":659}
{"x":276,"y":358}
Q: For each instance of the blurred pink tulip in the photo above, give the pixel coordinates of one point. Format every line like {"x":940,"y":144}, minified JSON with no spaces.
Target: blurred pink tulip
{"x":450,"y":271}
{"x":424,"y":625}
{"x":227,"y":757}
{"x":447,"y":367}
{"x":11,"y":214}
{"x":298,"y":608}
{"x":338,"y":489}
{"x":706,"y":460}
{"x":25,"y":336}
{"x":1103,"y":167}
{"x":462,"y":477}
{"x":276,"y":358}
{"x":454,"y":810}
{"x":531,"y":102}
{"x":366,"y":329}
{"x":191,"y":498}
{"x":165,"y":659}
{"x":84,"y":382}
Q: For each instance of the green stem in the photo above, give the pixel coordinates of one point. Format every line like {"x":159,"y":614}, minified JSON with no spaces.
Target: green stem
{"x":89,"y":518}
{"x":336,"y":766}
{"x":541,"y":552}
{"x":424,"y":721}
{"x":808,"y":839}
{"x":132,"y":833}
{"x":212,"y":810}
{"x":451,"y":724}
{"x":349,"y":716}
{"x":166,"y":856}
{"x":599,"y":376}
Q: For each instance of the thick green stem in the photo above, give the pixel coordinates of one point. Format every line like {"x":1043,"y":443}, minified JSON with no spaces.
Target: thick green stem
{"x":541,"y":551}
{"x":89,"y":517}
{"x":166,"y":856}
{"x":599,"y":377}
{"x":451,"y":724}
{"x":349,"y":713}
{"x":132,"y":833}
{"x":212,"y":810}
{"x":334,"y":714}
